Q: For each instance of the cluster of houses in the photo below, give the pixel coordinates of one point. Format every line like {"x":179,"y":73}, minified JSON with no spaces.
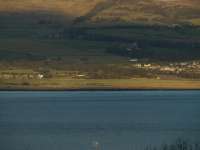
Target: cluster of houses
{"x":70,"y":74}
{"x":20,"y":75}
{"x":177,"y":67}
{"x":28,"y":75}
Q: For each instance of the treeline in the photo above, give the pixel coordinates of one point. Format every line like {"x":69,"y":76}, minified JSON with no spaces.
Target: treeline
{"x":176,"y":53}
{"x":183,"y":45}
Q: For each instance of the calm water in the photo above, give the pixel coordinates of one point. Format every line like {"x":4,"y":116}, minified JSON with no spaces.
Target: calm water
{"x":116,"y":120}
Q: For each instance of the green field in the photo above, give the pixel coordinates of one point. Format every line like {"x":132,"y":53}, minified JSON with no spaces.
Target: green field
{"x":108,"y":84}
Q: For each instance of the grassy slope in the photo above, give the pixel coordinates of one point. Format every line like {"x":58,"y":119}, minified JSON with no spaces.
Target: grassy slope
{"x":21,"y":36}
{"x":148,"y":11}
{"x":55,"y":53}
{"x":66,"y":7}
{"x":70,"y":84}
{"x":21,"y":33}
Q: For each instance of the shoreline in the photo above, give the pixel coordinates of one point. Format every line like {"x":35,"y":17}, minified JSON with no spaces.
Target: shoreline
{"x":139,"y":84}
{"x":93,"y":89}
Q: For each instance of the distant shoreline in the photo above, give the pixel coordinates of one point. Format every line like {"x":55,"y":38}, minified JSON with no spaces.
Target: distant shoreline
{"x":90,"y":90}
{"x":140,"y":84}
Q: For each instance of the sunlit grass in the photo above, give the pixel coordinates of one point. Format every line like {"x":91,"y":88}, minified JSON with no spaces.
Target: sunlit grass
{"x":139,"y":83}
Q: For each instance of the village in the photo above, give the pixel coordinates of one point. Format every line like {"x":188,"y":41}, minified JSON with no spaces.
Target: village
{"x":175,"y":68}
{"x":134,"y":69}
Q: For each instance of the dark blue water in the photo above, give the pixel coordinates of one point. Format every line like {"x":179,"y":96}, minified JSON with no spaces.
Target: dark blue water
{"x":116,"y":120}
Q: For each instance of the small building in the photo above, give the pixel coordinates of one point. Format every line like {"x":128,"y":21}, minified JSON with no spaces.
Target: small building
{"x":133,"y":60}
{"x":183,"y":63}
{"x":40,"y":76}
{"x":170,"y":69}
{"x":138,"y":65}
{"x":80,"y":75}
{"x":158,"y":78}
{"x":147,"y":65}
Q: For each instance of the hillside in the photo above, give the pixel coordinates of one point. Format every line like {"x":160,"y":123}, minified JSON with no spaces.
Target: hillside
{"x":51,"y":44}
{"x":104,"y":11}
{"x":66,"y":7}
{"x":150,"y":11}
{"x":48,"y":25}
